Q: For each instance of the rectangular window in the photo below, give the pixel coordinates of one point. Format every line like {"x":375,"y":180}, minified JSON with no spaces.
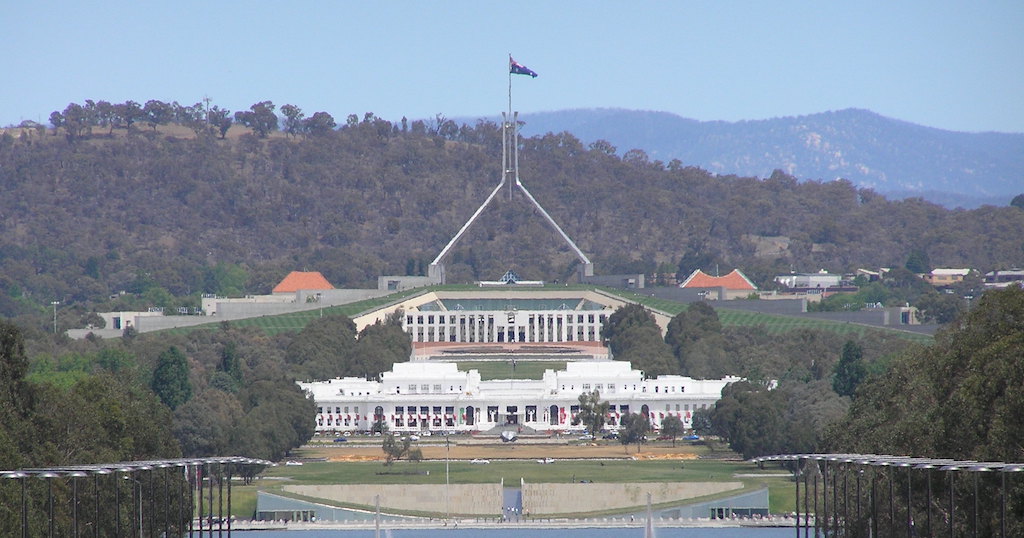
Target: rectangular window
{"x":399,"y":409}
{"x":424,"y":388}
{"x":586,"y":386}
{"x":424,"y":410}
{"x":624,"y":409}
{"x":337,"y":409}
{"x":437,"y":410}
{"x":320,"y":410}
{"x":611,"y":387}
{"x":599,"y":386}
{"x":412,"y":389}
{"x":437,"y":388}
{"x":686,"y":407}
{"x":346,"y":409}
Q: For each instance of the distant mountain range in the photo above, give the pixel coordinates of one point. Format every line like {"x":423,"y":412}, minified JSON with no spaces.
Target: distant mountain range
{"x":892,"y":157}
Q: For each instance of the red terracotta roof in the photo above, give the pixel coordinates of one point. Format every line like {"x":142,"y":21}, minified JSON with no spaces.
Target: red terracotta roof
{"x":303,"y":280}
{"x":735,"y":280}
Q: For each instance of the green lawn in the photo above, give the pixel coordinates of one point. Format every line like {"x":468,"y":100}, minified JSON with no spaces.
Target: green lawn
{"x":503,"y":369}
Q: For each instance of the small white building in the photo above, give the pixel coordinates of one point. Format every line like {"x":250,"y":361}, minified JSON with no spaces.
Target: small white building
{"x":436,"y":396}
{"x":822,"y":279}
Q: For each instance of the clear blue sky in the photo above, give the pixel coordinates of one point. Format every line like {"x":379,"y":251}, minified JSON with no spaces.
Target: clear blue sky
{"x":952,"y":65}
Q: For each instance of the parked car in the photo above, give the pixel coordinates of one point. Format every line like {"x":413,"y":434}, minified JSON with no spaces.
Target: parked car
{"x":479,"y":461}
{"x":546,"y":460}
{"x":611,"y":435}
{"x":340,"y":440}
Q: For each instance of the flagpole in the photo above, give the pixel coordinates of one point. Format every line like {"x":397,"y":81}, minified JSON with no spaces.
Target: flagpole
{"x":509,"y":119}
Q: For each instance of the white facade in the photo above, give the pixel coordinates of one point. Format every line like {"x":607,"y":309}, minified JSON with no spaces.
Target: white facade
{"x":492,"y":326}
{"x":423,"y":396}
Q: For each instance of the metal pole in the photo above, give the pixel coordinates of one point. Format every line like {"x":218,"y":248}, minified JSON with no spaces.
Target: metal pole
{"x":928,"y":477}
{"x":117,"y":504}
{"x":1002,"y":506}
{"x":816,"y":517}
{"x":220,"y":501}
{"x":952,"y":506}
{"x":859,"y":520}
{"x":136,"y":524}
{"x":74,"y":506}
{"x":167,"y":504}
{"x":49,"y":507}
{"x":807,"y":505}
{"x":24,"y":510}
{"x":191,"y":499}
{"x":96,"y":494}
{"x":152,"y":502}
{"x":910,"y":508}
{"x":835,"y":499}
{"x":874,"y":504}
{"x":209,"y":524}
{"x":796,"y":476}
{"x":200,"y":473}
{"x":846,"y":498}
{"x":975,"y":530}
{"x":892,"y":505}
{"x":824,"y":495}
{"x":229,"y":498}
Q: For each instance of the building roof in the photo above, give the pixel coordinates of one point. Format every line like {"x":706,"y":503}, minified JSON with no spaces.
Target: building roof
{"x":735,"y":280}
{"x":303,"y":280}
{"x":950,"y":272}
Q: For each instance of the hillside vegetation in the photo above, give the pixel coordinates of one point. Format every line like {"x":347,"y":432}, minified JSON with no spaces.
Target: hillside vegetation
{"x":165,"y":214}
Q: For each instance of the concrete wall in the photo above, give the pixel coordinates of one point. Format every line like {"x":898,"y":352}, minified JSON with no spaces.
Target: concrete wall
{"x":630,"y":281}
{"x":465,"y":499}
{"x":550,"y":499}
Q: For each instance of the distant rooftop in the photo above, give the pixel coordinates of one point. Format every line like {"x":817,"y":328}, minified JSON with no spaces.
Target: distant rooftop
{"x":303,"y":280}
{"x":735,"y":280}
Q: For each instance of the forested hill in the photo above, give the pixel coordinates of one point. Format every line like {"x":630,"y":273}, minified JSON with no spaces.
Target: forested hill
{"x":165,"y":215}
{"x":893,"y":157}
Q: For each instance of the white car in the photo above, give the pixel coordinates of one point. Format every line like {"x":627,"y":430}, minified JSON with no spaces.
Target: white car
{"x":546,"y":460}
{"x":479,"y":461}
{"x":293,"y":462}
{"x":414,"y":438}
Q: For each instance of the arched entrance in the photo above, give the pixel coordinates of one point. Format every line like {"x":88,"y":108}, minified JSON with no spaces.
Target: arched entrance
{"x":553,"y":415}
{"x":470,"y":416}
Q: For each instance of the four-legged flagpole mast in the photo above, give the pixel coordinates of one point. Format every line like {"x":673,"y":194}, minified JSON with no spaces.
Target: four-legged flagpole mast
{"x":510,"y":166}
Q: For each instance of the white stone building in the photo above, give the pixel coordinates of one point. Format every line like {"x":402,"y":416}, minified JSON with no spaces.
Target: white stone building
{"x":436,"y":396}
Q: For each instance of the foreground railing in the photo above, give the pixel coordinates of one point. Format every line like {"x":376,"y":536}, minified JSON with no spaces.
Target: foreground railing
{"x":839,"y":517}
{"x":133,"y":498}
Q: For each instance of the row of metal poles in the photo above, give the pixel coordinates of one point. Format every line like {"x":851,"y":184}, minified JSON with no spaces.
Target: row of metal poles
{"x":829,"y":512}
{"x":158,"y":496}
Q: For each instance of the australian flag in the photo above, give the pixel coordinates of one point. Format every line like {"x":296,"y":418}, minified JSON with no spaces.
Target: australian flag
{"x":517,"y":68}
